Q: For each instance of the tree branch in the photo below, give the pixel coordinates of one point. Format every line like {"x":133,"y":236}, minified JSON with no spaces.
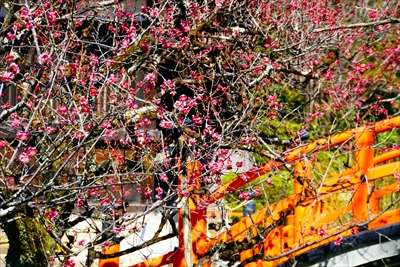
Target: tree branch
{"x":135,"y":248}
{"x":359,"y":25}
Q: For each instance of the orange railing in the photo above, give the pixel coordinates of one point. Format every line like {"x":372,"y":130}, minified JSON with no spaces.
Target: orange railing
{"x":304,"y":220}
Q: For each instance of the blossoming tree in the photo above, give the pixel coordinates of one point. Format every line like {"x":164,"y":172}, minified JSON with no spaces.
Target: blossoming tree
{"x":104,"y":100}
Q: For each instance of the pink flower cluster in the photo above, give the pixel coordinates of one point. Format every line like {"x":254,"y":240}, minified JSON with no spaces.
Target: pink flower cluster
{"x":184,"y":104}
{"x":163,"y":177}
{"x":3,"y":143}
{"x":159,"y":191}
{"x":22,"y":135}
{"x":166,"y":124}
{"x":216,"y":167}
{"x":244,"y":195}
{"x":338,"y":241}
{"x":51,"y":215}
{"x":70,"y":263}
{"x":8,"y":76}
{"x":26,"y":156}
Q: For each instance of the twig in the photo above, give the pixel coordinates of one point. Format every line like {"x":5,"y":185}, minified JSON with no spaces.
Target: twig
{"x":359,"y":25}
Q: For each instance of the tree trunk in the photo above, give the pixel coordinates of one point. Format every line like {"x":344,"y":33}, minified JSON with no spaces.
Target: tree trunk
{"x":29,"y":243}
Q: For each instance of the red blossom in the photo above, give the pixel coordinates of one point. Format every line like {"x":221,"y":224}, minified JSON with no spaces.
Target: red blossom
{"x":7,"y":77}
{"x":51,"y":215}
{"x":22,"y":135}
{"x":45,"y":57}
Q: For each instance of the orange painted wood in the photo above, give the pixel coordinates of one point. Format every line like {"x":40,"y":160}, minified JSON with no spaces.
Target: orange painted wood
{"x":157,"y":262}
{"x":114,"y":262}
{"x":277,"y":240}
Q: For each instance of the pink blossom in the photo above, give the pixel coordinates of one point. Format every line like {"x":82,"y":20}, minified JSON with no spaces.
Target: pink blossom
{"x":79,"y":202}
{"x":10,"y":36}
{"x":9,"y":58}
{"x":159,"y":191}
{"x":106,"y":124}
{"x":121,"y":159}
{"x":3,"y":143}
{"x":14,"y":68}
{"x":257,"y":192}
{"x":147,"y":191}
{"x":322,"y":232}
{"x":32,"y":151}
{"x":244,"y":195}
{"x":45,"y":57}
{"x":185,"y":26}
{"x":94,"y":60}
{"x":16,"y":123}
{"x":83,"y":100}
{"x":52,"y":16}
{"x":10,"y":181}
{"x":24,"y":158}
{"x":216,"y":167}
{"x":373,"y":14}
{"x":163,"y":177}
{"x":86,"y":109}
{"x":105,"y":201}
{"x":166,"y":124}
{"x":49,"y":130}
{"x":79,"y":135}
{"x":154,"y":12}
{"x":338,"y":241}
{"x":197,"y":120}
{"x":105,"y":245}
{"x":52,"y":260}
{"x":145,"y":47}
{"x":216,"y":136}
{"x":93,"y":92}
{"x":219,"y":3}
{"x":110,"y":133}
{"x":57,"y":34}
{"x":112,"y":79}
{"x":329,"y":75}
{"x":222,"y":153}
{"x":51,"y":215}
{"x":22,"y":135}
{"x":143,"y":8}
{"x":70,"y":263}
{"x":7,"y":76}
{"x":207,"y":179}
{"x":82,"y":242}
{"x":244,"y":176}
{"x":192,"y":141}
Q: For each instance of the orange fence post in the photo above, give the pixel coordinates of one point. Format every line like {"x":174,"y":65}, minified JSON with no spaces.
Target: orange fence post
{"x":198,"y":224}
{"x":197,"y":221}
{"x":113,"y":262}
{"x":178,"y":256}
{"x":299,"y":210}
{"x":364,"y":163}
{"x":303,"y":176}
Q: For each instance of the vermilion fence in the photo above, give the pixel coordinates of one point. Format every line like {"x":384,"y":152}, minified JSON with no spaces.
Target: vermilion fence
{"x":308,"y":218}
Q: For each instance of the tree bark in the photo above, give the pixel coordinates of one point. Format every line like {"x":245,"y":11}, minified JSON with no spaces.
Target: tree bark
{"x":29,"y":243}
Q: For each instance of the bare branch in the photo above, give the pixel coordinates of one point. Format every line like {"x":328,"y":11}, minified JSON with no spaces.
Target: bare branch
{"x":359,"y":25}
